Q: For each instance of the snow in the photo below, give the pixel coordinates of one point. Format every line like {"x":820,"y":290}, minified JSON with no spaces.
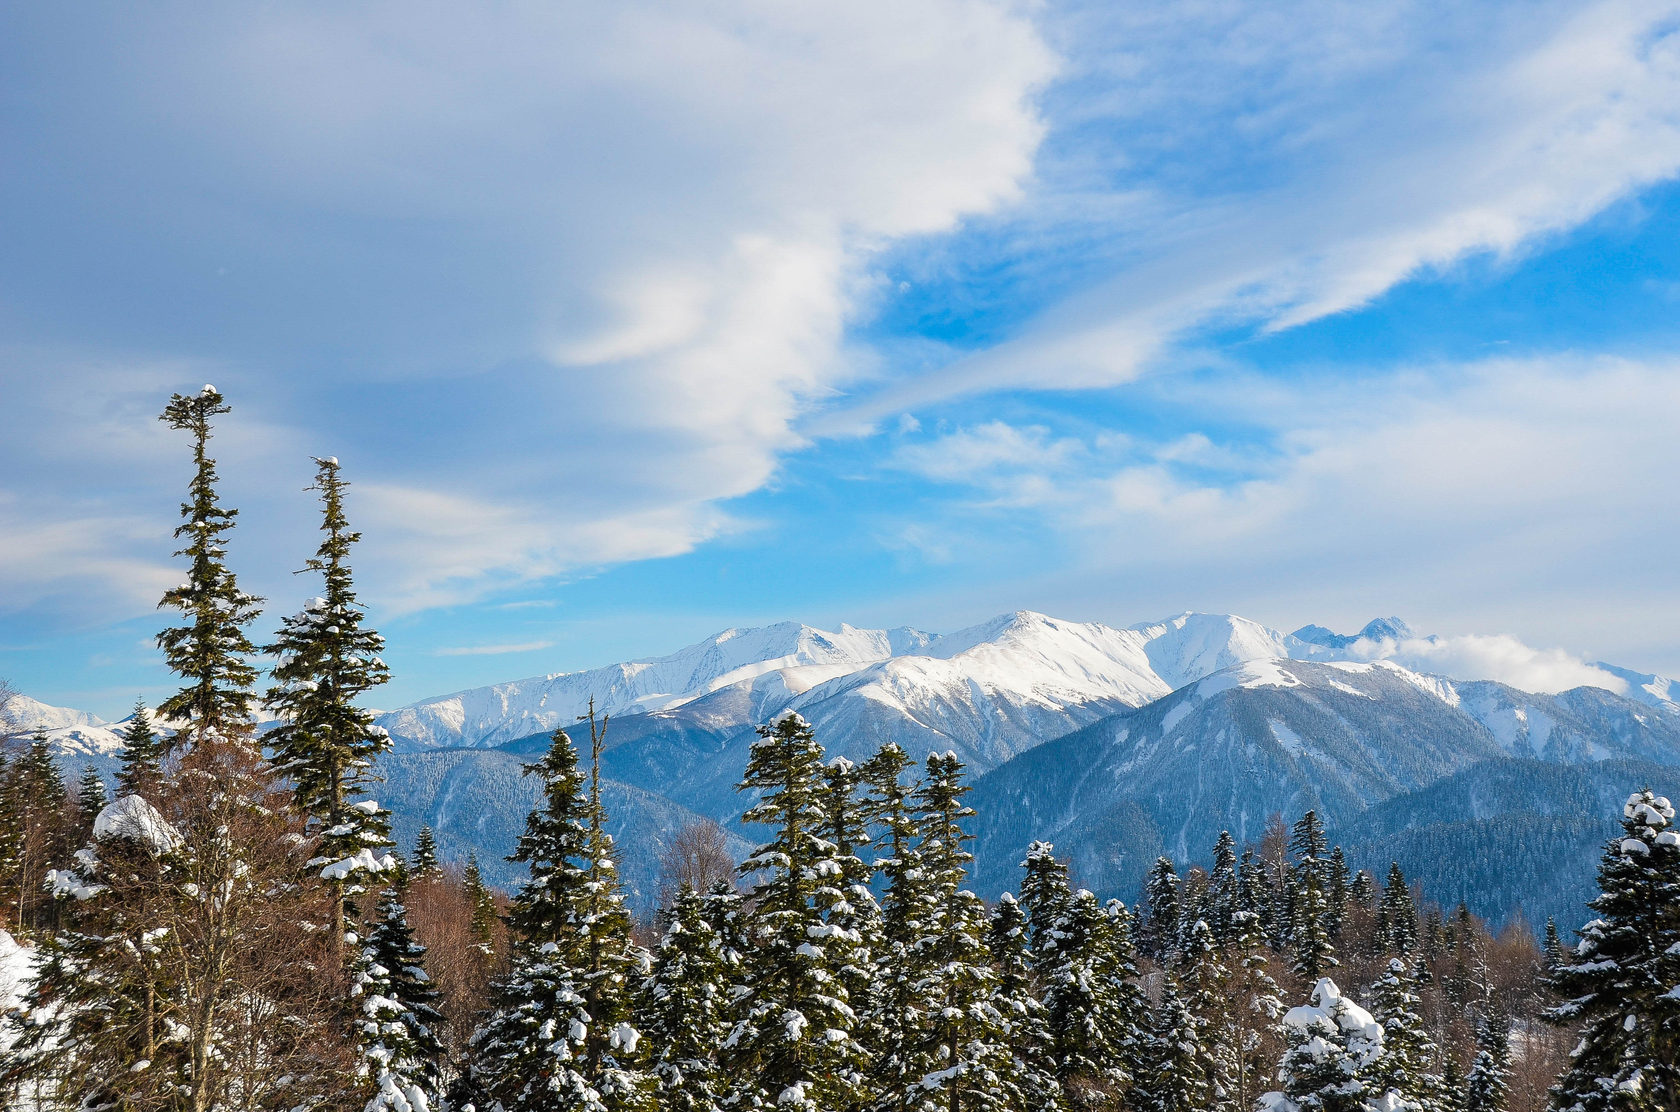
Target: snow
{"x":132,"y":818}
{"x":360,"y":861}
{"x":17,"y":967}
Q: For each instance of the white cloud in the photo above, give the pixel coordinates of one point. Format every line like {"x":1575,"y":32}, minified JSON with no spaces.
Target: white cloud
{"x":575,"y":271}
{"x":493,"y":650}
{"x":1492,"y":657}
{"x":1273,"y":164}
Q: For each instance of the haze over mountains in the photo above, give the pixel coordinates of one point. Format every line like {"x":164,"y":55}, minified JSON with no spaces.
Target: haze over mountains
{"x":1117,"y":744}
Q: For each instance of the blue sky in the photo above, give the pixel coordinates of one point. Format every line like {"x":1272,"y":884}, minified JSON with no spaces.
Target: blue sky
{"x":634,"y":322}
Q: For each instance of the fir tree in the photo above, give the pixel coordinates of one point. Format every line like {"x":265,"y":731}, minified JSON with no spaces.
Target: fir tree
{"x":326,"y":744}
{"x":1616,"y":982}
{"x":209,"y":652}
{"x":1251,"y":1029}
{"x":1337,"y":885}
{"x":1161,"y":897}
{"x":1045,"y":895}
{"x":1333,"y":1044}
{"x":685,"y":1008}
{"x":33,"y":834}
{"x":794,"y":1047}
{"x":90,"y":800}
{"x":1552,"y":951}
{"x":425,"y":854}
{"x":400,"y":1056}
{"x":855,"y":917}
{"x":1019,"y":1006}
{"x":1408,"y":1056}
{"x":1177,"y":1076}
{"x":483,"y":905}
{"x":1315,"y":954}
{"x":1092,"y":1005}
{"x":1397,"y":921}
{"x":1222,"y":888}
{"x":1487,"y":1088}
{"x":559,"y":1036}
{"x":143,"y":749}
{"x":962,"y":1048}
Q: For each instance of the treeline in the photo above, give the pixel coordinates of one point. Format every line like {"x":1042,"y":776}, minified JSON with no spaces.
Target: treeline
{"x":235,"y":931}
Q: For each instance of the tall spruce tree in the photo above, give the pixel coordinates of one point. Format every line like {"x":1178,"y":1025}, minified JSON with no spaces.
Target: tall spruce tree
{"x":856,"y":915}
{"x":1176,"y":1073}
{"x":794,"y":1046}
{"x":483,"y":905}
{"x":685,"y":1008}
{"x":559,"y":1036}
{"x":1407,"y":1064}
{"x":1222,"y":888}
{"x":143,"y":751}
{"x":1488,"y":1086}
{"x":1251,"y":1028}
{"x":400,"y":1056}
{"x":1332,"y":1047}
{"x":1397,"y":918}
{"x":426,"y":854}
{"x":1016,"y":1001}
{"x":961,"y":1047}
{"x":1045,"y":895}
{"x":90,"y":800}
{"x":326,"y":744}
{"x":210,"y":652}
{"x":1161,"y":897}
{"x":1092,"y":1004}
{"x":1618,"y":981}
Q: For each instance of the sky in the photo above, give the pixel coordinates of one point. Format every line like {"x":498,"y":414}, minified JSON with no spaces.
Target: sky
{"x":629,"y":323}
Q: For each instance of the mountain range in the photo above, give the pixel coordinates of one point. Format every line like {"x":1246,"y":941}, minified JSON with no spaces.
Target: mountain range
{"x":1118,"y":744}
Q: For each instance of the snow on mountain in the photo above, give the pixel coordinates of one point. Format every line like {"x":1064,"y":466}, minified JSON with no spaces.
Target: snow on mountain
{"x":506,"y":711}
{"x":76,"y":734}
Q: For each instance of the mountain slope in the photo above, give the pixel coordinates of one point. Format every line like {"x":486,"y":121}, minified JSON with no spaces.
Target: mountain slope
{"x":1268,"y":736}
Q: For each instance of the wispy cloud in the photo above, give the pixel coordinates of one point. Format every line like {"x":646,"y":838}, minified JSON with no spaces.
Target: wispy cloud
{"x":492,"y":650}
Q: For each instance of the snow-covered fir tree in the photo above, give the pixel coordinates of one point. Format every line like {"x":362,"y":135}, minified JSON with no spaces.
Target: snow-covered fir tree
{"x":1617,"y":984}
{"x":1093,"y":1008}
{"x":961,"y":1047}
{"x":1015,"y":1000}
{"x":1397,"y":918}
{"x":210,"y":652}
{"x":400,"y":1056}
{"x":1333,"y":1045}
{"x":426,"y":854}
{"x":794,"y":1047}
{"x":1407,"y":1065}
{"x":559,"y":1037}
{"x":685,"y":1008}
{"x":143,"y":750}
{"x":1487,"y":1088}
{"x":483,"y":905}
{"x":1251,"y":1021}
{"x":1222,"y":888}
{"x":1045,"y":895}
{"x":325,"y":744}
{"x":90,"y":800}
{"x":1174,"y":1074}
{"x":856,"y":916}
{"x":1161,"y":901}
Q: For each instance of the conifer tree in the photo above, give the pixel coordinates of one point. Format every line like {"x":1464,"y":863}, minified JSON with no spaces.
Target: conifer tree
{"x":1407,"y":1061}
{"x":1205,"y":989}
{"x":1161,"y":896}
{"x":211,"y":651}
{"x":1488,"y":1086}
{"x":143,"y":749}
{"x":559,"y":1036}
{"x":33,"y":836}
{"x":1337,"y":885}
{"x":326,"y":744}
{"x":1222,"y":888}
{"x":685,"y":1008}
{"x":1016,"y":1002}
{"x":794,"y":1047}
{"x":1333,"y":1044}
{"x":1627,"y":961}
{"x":400,"y":1057}
{"x":1177,"y":1075}
{"x":1315,"y":954}
{"x":1252,"y":1030}
{"x":856,"y":913}
{"x":483,"y":905}
{"x":1553,"y":948}
{"x":1045,"y":895}
{"x":1397,"y":921}
{"x":90,"y":800}
{"x":425,"y":854}
{"x":1092,"y":1005}
{"x":961,"y":1048}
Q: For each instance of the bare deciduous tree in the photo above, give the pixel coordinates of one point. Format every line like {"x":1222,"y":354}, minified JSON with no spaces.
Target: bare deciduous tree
{"x":699,"y":857}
